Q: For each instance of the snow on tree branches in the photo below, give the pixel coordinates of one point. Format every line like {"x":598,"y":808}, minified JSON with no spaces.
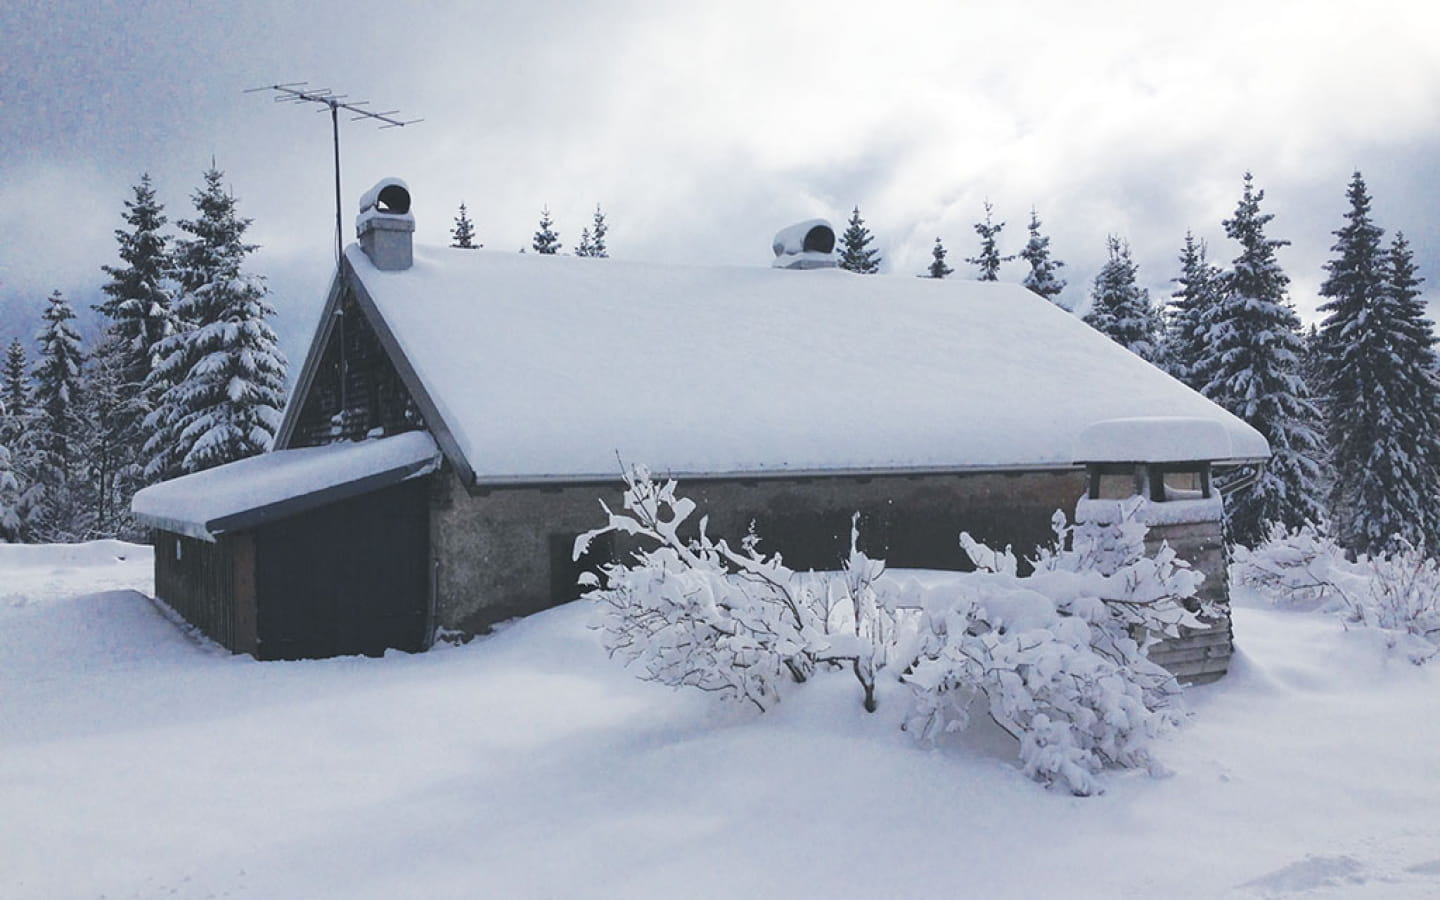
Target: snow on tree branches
{"x":546,"y":240}
{"x":221,"y":379}
{"x":856,"y":254}
{"x":1254,"y":372}
{"x":989,"y":259}
{"x":592,"y":239}
{"x":1044,"y":275}
{"x":462,"y":236}
{"x":1057,"y":658}
{"x":937,"y":269}
{"x":1120,"y":308}
{"x":1378,"y":367}
{"x":1187,"y":323}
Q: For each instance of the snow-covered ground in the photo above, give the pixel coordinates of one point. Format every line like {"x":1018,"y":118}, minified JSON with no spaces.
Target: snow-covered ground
{"x":137,"y":762}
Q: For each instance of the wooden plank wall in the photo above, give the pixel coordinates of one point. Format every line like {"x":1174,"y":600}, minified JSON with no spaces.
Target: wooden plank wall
{"x":373,"y":395}
{"x":198,"y":580}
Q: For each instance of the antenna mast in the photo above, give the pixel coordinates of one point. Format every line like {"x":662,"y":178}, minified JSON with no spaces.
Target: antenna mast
{"x":297,"y":92}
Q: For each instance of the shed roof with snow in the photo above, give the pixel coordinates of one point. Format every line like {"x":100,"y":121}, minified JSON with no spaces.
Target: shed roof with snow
{"x":532,"y":369}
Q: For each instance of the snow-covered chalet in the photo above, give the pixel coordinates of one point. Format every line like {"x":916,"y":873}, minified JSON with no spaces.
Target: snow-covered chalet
{"x":461,"y":413}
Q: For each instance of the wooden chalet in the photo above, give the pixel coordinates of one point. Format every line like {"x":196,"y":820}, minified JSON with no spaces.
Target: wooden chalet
{"x":466,"y":410}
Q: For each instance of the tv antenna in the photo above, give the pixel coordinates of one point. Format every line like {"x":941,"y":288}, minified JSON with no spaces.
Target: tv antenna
{"x":297,"y":92}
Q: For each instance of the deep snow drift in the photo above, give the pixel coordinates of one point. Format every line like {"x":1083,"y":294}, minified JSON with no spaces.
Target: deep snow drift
{"x":136,"y":761}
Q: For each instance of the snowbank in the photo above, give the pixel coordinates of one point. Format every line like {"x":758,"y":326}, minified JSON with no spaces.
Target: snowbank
{"x":527,"y":764}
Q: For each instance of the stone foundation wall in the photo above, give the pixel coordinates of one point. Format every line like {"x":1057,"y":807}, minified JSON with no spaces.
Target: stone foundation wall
{"x":505,"y":551}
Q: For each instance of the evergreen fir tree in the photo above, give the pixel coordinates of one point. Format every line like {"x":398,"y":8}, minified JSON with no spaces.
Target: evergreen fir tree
{"x":1187,"y":347}
{"x":138,"y":303}
{"x":14,"y":382}
{"x":585,"y":248}
{"x":1255,"y":374}
{"x":1377,"y":359}
{"x":1120,"y":309}
{"x":598,"y":230}
{"x":57,"y":422}
{"x":1043,"y":277}
{"x":989,"y":260}
{"x":856,"y":254}
{"x":139,"y":307}
{"x":462,"y":236}
{"x":938,"y":269}
{"x":223,"y":376}
{"x":108,"y":443}
{"x":17,"y":493}
{"x":546,"y":240}
{"x":9,"y":496}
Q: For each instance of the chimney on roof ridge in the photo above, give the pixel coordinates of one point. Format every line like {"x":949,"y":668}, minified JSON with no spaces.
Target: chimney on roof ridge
{"x":385,"y":225}
{"x":805,"y":245}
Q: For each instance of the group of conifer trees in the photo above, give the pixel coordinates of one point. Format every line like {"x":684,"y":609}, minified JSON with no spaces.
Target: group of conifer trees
{"x":186,"y":375}
{"x":1351,"y":410}
{"x":546,"y":240}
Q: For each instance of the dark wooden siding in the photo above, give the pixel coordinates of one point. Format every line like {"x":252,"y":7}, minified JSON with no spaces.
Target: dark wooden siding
{"x":352,"y":577}
{"x":356,"y":387}
{"x":210,"y":585}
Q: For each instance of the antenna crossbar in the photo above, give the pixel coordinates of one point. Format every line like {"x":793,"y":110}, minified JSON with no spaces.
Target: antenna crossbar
{"x":299,"y":92}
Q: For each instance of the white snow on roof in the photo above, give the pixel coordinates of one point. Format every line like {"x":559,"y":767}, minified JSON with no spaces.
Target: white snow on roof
{"x":194,"y":504}
{"x":549,"y":367}
{"x":1157,"y":438}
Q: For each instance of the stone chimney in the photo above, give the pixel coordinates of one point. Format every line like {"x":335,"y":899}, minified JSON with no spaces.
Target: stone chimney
{"x":805,"y":245}
{"x":385,"y":226}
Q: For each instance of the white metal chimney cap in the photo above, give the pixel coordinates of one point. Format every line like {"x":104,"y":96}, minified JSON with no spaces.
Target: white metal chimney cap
{"x":805,"y":245}
{"x":389,"y":196}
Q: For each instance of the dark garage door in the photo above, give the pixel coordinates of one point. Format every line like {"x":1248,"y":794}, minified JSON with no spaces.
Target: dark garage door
{"x":352,"y":577}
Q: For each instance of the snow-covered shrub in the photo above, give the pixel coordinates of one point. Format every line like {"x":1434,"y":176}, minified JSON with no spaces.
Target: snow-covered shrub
{"x":1058,"y":656}
{"x":696,"y":612}
{"x":1397,"y":592}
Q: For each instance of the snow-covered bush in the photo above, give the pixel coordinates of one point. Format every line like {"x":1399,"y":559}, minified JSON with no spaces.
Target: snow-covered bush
{"x":1397,"y":592}
{"x":696,"y":612}
{"x":1058,"y":656}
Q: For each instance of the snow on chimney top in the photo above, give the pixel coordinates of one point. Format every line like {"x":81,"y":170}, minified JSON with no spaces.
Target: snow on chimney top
{"x":386,"y":226}
{"x":805,"y":245}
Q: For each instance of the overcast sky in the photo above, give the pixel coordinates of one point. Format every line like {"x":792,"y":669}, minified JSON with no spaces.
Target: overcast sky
{"x":704,"y":127}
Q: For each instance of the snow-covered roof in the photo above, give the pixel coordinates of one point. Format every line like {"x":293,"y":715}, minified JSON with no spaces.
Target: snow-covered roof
{"x":550,"y":368}
{"x":283,"y":483}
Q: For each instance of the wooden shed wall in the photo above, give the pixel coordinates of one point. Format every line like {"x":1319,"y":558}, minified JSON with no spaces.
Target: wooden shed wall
{"x":212,"y":586}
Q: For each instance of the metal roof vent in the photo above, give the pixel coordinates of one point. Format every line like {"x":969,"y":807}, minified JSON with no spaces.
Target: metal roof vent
{"x":805,"y":245}
{"x":385,"y":225}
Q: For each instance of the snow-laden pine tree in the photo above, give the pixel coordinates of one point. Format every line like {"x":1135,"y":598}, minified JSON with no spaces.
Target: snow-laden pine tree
{"x":1255,"y":374}
{"x":937,"y":269}
{"x":462,"y":236}
{"x":138,"y":306}
{"x":584,"y":248}
{"x":546,"y":240}
{"x":138,"y":300}
{"x":1044,"y":275}
{"x":856,"y":254}
{"x":1377,"y":359}
{"x":14,"y":380}
{"x":1120,"y":308}
{"x":9,"y":496}
{"x":598,"y":229}
{"x":57,"y":422}
{"x":1186,"y":351}
{"x":223,"y":374}
{"x":987,"y":263}
{"x":107,"y":443}
{"x":17,"y":492}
